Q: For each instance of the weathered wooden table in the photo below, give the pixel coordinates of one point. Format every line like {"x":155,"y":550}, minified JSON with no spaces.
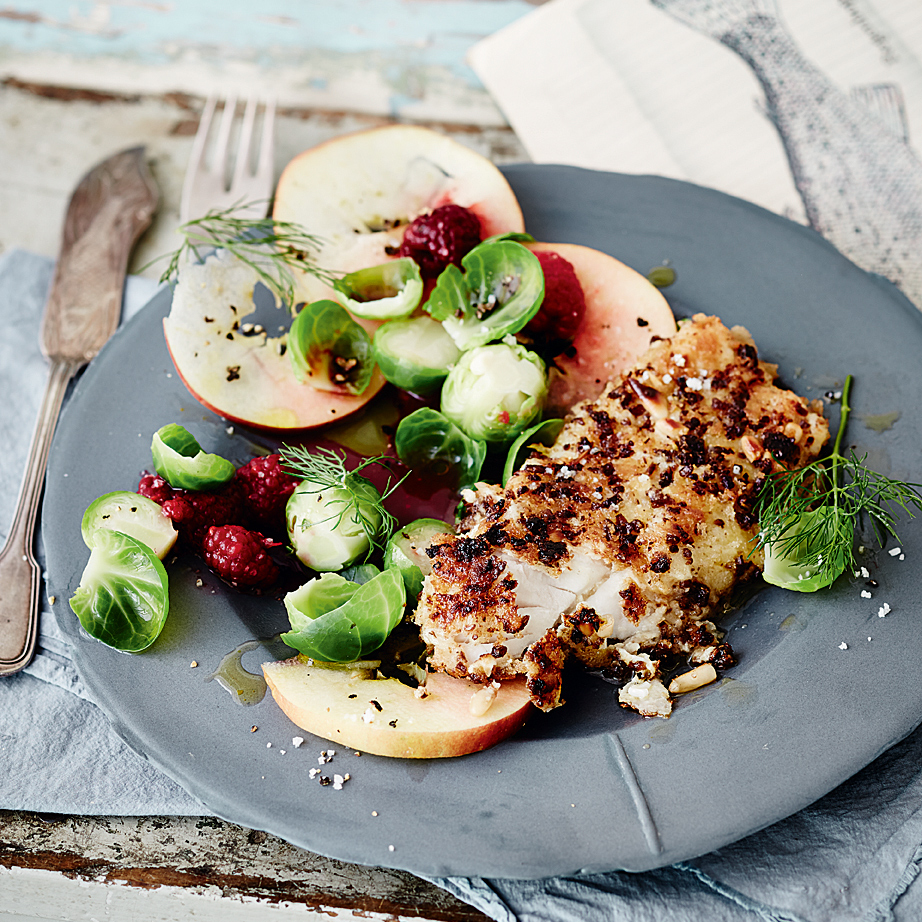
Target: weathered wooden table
{"x":79,"y":81}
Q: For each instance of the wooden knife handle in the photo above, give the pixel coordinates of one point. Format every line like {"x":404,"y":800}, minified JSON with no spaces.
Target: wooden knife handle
{"x":20,"y":574}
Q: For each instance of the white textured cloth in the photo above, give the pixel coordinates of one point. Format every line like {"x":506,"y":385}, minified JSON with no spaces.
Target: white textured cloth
{"x":854,"y":856}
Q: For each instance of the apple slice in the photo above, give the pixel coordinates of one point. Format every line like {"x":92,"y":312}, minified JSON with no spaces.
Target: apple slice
{"x":242,"y":374}
{"x":358,"y":192}
{"x":386,"y":718}
{"x":624,"y":311}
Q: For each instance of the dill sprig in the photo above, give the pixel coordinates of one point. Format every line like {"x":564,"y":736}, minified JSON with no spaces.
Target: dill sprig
{"x":274,"y":249}
{"x":357,"y":500}
{"x":810,"y":515}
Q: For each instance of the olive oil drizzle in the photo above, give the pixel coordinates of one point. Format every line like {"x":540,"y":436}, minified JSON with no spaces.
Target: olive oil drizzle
{"x":245,"y":687}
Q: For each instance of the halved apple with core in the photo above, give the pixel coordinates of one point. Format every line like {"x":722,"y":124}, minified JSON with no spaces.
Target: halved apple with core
{"x":385,"y":717}
{"x":358,"y":192}
{"x":623,"y":312}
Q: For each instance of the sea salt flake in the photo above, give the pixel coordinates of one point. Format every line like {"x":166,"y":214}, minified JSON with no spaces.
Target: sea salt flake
{"x":884,"y":610}
{"x":843,"y":645}
{"x":895,"y":551}
{"x":865,"y":594}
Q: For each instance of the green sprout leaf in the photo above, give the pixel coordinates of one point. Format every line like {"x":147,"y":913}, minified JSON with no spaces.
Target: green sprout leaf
{"x":123,"y":597}
{"x":543,"y":434}
{"x":134,"y":515}
{"x":406,"y":551}
{"x":334,"y":620}
{"x":181,"y":461}
{"x":415,"y":354}
{"x":500,"y":290}
{"x":329,"y":350}
{"x":433,"y":446}
{"x":450,"y":297}
{"x":515,"y":236}
{"x":384,"y":292}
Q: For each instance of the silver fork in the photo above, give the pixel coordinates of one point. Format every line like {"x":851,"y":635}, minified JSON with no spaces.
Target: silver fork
{"x":209,"y":182}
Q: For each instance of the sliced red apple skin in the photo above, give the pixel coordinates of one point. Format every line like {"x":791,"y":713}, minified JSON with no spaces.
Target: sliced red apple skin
{"x":385,"y":717}
{"x":359,"y":192}
{"x":624,"y":312}
{"x":244,"y":378}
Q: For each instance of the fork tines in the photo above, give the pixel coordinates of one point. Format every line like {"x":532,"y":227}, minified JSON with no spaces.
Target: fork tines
{"x":223,"y":171}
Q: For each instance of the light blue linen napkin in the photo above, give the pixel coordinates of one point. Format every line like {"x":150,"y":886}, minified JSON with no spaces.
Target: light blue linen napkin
{"x":855,"y":856}
{"x":58,"y":753}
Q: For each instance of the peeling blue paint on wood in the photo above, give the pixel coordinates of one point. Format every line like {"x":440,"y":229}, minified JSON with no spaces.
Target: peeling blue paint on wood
{"x":408,"y":33}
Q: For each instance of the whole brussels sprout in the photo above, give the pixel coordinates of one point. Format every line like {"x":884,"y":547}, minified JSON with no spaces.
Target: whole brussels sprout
{"x":495,"y":391}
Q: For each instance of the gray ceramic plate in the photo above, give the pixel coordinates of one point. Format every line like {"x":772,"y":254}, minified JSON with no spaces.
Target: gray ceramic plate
{"x":590,"y":787}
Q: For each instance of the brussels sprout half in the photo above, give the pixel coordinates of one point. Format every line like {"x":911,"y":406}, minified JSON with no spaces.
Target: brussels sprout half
{"x":331,"y":527}
{"x":328,"y":350}
{"x":801,"y":568}
{"x":393,"y":289}
{"x":501,"y":289}
{"x":123,"y":597}
{"x":180,"y":460}
{"x":132,"y":514}
{"x":415,"y":354}
{"x":495,"y":392}
{"x":543,"y":434}
{"x":336,"y":621}
{"x":431,"y":444}
{"x":406,"y":551}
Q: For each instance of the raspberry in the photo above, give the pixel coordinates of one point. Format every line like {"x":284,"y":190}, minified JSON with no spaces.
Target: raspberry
{"x":239,"y":556}
{"x":193,"y":513}
{"x":441,"y":237}
{"x":154,"y":487}
{"x":564,"y":303}
{"x":265,"y":488}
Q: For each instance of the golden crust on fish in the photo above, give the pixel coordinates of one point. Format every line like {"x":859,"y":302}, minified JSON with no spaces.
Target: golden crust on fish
{"x":636,"y":524}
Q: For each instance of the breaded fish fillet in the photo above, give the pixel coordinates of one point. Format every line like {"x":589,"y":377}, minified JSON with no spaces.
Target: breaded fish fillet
{"x":620,"y":542}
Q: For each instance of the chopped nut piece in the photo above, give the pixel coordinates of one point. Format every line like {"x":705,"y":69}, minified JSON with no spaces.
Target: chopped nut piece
{"x":653,"y":401}
{"x":695,"y":678}
{"x":752,"y":448}
{"x":668,"y":428}
{"x":482,"y":700}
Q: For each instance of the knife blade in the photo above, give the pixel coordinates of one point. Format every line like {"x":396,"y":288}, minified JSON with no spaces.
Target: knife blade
{"x":108,"y":211}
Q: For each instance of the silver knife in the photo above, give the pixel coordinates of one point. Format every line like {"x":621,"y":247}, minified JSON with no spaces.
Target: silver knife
{"x":110,"y":208}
